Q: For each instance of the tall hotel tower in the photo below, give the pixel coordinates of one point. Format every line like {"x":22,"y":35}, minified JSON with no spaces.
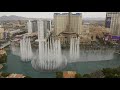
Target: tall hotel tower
{"x":67,"y":22}
{"x":67,"y":25}
{"x":113,"y":22}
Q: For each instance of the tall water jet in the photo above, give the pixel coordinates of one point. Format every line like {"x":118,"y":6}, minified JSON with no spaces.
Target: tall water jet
{"x":50,"y":56}
{"x":15,"y":49}
{"x":25,"y":49}
{"x":29,"y":26}
{"x":74,"y":49}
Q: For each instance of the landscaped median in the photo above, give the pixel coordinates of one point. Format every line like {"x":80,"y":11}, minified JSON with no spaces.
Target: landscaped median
{"x":103,"y":73}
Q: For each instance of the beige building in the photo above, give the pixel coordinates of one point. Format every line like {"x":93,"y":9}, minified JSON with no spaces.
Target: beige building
{"x":67,"y":25}
{"x":113,"y":22}
{"x":86,"y":27}
{"x":64,"y":20}
{"x":1,"y":33}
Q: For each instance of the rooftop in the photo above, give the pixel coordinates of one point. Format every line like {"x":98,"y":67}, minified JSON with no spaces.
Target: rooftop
{"x":69,"y":74}
{"x":16,"y":76}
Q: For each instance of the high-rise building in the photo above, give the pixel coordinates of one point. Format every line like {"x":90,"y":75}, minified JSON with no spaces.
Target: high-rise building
{"x":67,"y":25}
{"x":34,"y":26}
{"x":67,"y":22}
{"x":113,"y":22}
{"x":40,"y":30}
{"x":40,"y":26}
{"x":86,"y":27}
{"x":47,"y":27}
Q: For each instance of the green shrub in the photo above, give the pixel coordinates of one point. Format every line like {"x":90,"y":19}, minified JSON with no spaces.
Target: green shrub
{"x":77,"y":75}
{"x":111,"y":72}
{"x":5,"y":74}
{"x":97,"y":74}
{"x":27,"y":77}
{"x":59,"y":74}
{"x":86,"y":76}
{"x":3,"y":58}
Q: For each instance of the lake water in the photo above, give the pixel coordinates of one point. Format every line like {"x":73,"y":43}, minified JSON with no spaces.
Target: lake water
{"x":88,"y":63}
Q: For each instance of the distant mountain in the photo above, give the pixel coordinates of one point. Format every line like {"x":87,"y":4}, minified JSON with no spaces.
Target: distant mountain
{"x":94,"y":20}
{"x":12,"y":17}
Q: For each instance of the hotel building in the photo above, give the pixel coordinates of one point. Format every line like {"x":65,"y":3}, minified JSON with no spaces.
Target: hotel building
{"x":113,"y":22}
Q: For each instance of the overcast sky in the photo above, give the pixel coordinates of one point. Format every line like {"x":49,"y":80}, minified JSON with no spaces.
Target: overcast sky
{"x":50,"y":14}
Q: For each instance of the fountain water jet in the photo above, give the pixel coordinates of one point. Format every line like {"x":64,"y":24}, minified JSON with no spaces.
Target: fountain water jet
{"x":29,"y":26}
{"x":50,"y":56}
{"x":15,"y":50}
{"x":25,"y":49}
{"x":74,"y":49}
